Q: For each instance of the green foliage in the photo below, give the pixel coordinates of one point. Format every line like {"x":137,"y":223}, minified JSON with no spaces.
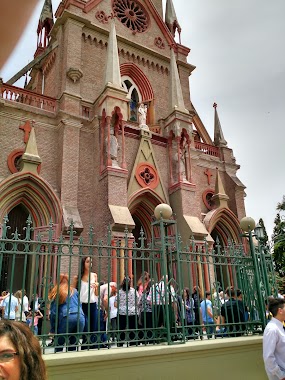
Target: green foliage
{"x":280,"y":282}
{"x":281,"y":205}
{"x":279,"y":240}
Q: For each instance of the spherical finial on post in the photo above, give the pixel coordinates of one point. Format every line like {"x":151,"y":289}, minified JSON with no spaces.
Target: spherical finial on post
{"x":247,"y":224}
{"x":163,"y":211}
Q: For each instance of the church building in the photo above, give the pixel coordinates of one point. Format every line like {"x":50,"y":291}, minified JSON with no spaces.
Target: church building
{"x":104,"y":129}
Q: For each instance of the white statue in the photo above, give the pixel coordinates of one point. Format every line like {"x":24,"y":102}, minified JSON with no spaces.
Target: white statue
{"x":114,"y":147}
{"x":181,"y":163}
{"x":142,"y":111}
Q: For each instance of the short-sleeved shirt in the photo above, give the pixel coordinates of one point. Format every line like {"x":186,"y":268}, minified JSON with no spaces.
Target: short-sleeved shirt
{"x":127,"y":302}
{"x":157,"y":294}
{"x":206,"y":304}
{"x":10,"y":303}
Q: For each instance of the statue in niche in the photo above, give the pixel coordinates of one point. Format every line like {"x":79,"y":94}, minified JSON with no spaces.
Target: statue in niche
{"x":182,"y":163}
{"x":142,"y":112}
{"x":114,"y":147}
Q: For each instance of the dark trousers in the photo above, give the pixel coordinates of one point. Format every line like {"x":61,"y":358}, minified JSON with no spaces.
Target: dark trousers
{"x":159,"y":319}
{"x":146,"y":326}
{"x":127,"y":322}
{"x":113,"y":323}
{"x":91,"y":324}
{"x":188,"y":328}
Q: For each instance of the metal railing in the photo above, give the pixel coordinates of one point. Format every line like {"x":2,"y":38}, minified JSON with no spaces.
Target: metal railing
{"x":163,"y":292}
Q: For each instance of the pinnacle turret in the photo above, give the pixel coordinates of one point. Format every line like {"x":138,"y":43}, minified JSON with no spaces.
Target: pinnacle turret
{"x":171,"y":19}
{"x":112,"y":73}
{"x":45,"y":24}
{"x":220,"y":197}
{"x":219,"y":139}
{"x":176,"y":95}
{"x":30,"y":160}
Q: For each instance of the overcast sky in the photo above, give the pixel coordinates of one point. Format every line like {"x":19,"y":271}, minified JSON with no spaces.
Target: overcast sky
{"x":238,"y":50}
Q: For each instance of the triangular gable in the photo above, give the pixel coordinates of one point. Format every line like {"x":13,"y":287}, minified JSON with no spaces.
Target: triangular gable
{"x":87,"y":7}
{"x":145,"y":173}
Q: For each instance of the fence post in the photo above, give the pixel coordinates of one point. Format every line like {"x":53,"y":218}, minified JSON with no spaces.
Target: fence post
{"x":260,"y":298}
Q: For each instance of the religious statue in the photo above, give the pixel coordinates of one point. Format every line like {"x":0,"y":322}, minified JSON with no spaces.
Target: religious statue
{"x":181,"y":163}
{"x":114,"y":147}
{"x":142,"y":111}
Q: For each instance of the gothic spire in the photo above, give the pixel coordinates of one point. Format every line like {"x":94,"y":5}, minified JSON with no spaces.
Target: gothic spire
{"x":176,"y":96}
{"x":112,"y":72}
{"x":171,"y":19}
{"x":219,"y":139}
{"x":220,"y":197}
{"x":45,"y":24}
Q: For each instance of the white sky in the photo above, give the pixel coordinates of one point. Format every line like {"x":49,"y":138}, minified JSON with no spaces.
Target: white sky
{"x":238,"y":49}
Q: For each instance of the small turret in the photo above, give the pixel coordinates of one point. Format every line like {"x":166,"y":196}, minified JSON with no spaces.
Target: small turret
{"x":45,"y":24}
{"x":171,"y":19}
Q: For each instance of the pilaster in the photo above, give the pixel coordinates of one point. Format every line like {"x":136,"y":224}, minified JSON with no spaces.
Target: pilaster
{"x":70,"y":94}
{"x":69,"y":183}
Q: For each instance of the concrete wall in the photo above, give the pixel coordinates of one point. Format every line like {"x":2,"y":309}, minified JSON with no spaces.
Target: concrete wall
{"x":231,"y":358}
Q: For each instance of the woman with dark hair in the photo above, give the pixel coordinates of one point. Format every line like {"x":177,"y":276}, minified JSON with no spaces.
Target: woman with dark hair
{"x":88,"y":288}
{"x":188,"y":306}
{"x":197,"y":297}
{"x":66,"y":315}
{"x":126,"y":301}
{"x":145,"y":315}
{"x":20,"y":353}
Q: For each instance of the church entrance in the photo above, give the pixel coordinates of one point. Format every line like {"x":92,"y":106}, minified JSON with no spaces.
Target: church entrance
{"x":222,"y":268}
{"x":15,"y":266}
{"x":140,"y":262}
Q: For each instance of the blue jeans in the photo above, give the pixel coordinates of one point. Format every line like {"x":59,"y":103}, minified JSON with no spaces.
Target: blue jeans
{"x":71,"y":324}
{"x":34,"y":329}
{"x":209,"y":329}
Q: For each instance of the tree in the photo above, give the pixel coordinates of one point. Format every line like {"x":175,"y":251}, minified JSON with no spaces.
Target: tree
{"x":279,"y":240}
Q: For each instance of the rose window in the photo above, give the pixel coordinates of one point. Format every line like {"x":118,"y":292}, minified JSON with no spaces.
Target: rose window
{"x":131,"y":14}
{"x":147,"y":175}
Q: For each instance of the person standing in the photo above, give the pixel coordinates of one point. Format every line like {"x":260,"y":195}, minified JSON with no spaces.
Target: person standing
{"x":126,"y":301}
{"x":207,"y":314}
{"x":10,"y":307}
{"x":233,"y":314}
{"x":88,"y":289}
{"x":274,"y":341}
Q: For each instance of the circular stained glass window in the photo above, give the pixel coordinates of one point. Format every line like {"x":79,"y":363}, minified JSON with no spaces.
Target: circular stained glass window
{"x":131,"y":14}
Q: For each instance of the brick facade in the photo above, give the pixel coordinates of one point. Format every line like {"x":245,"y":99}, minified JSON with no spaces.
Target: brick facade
{"x":70,"y":142}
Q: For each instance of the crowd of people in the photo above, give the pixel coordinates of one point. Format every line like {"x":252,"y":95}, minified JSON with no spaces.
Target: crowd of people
{"x":88,"y":314}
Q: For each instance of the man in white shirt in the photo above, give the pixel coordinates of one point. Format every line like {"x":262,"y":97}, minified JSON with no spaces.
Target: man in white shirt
{"x":274,"y":341}
{"x":10,"y":306}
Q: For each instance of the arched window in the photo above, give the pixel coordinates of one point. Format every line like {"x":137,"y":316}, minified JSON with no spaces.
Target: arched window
{"x":134,"y":96}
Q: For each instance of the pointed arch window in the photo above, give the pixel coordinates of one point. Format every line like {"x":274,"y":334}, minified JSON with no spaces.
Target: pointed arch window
{"x":134,"y":96}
